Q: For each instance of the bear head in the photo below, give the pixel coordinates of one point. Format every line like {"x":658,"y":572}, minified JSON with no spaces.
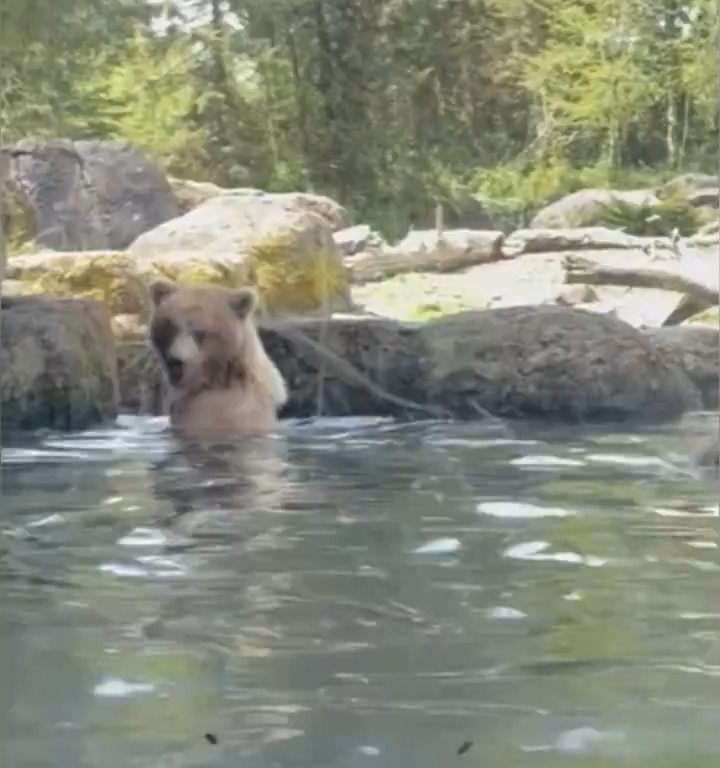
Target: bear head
{"x":204,"y":335}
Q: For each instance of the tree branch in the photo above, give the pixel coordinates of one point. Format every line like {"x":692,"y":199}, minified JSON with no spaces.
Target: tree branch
{"x":581,"y":270}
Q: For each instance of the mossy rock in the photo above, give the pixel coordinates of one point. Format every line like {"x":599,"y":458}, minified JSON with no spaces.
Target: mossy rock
{"x":282,"y":244}
{"x":109,"y":277}
{"x":190,"y":194}
{"x":293,"y":277}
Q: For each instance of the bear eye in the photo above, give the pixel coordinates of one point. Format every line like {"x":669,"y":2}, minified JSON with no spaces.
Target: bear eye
{"x":200,"y":336}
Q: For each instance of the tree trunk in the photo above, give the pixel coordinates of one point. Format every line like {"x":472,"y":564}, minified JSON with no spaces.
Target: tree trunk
{"x":4,"y":176}
{"x":670,"y":130}
{"x":300,"y":99}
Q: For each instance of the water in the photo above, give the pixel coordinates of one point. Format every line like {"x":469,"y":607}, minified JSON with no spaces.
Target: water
{"x":360,"y":594}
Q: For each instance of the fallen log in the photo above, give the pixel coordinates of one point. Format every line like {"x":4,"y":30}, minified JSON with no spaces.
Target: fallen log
{"x":702,"y":289}
{"x":427,"y":251}
{"x":686,"y":308}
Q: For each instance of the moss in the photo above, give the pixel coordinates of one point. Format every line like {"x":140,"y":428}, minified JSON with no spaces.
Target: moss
{"x":294,"y":277}
{"x":106,"y":277}
{"x":709,"y":317}
{"x":193,"y":272}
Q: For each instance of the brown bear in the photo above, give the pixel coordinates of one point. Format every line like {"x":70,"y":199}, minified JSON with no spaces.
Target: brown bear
{"x":221,"y":379}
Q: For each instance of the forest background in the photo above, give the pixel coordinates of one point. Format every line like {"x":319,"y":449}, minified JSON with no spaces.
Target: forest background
{"x":491,"y":107}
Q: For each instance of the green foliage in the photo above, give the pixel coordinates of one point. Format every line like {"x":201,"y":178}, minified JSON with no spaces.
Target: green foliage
{"x":155,"y":117}
{"x":513,"y":195}
{"x":491,"y":107}
{"x":661,"y":218}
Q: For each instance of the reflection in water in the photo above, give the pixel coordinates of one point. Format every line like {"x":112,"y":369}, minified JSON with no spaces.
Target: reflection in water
{"x":359,"y":593}
{"x":206,"y":480}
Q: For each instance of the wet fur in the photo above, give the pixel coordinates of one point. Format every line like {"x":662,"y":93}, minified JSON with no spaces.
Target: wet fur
{"x":220,"y":377}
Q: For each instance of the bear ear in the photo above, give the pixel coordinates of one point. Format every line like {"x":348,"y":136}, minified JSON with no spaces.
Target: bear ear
{"x":243,"y":302}
{"x":160,"y":290}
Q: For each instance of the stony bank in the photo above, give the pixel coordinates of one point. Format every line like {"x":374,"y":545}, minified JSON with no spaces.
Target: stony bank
{"x":604,"y":307}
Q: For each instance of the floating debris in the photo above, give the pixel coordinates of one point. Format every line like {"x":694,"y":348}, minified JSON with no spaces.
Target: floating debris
{"x":464,"y":747}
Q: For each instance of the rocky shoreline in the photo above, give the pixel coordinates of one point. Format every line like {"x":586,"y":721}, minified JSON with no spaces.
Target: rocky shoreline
{"x":63,"y":369}
{"x":562,"y":320}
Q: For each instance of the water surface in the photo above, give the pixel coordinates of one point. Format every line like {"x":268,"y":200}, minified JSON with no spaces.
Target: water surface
{"x":360,"y":593}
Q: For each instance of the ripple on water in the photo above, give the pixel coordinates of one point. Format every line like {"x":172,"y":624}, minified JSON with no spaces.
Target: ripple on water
{"x":424,"y":578}
{"x":445,"y":545}
{"x":145,"y":537}
{"x":537,"y":550}
{"x":542,"y":461}
{"x":522,"y":510}
{"x":116,"y":688}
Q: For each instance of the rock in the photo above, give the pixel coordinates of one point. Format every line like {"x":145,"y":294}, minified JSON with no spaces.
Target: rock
{"x":585,"y":207}
{"x":90,"y":195}
{"x":332,"y":213}
{"x":352,"y":240}
{"x":190,"y":194}
{"x":58,"y":364}
{"x":574,"y":238}
{"x":281,"y":243}
{"x":426,"y":251}
{"x":705,"y":197}
{"x":141,"y":383}
{"x":690,"y":185}
{"x":371,"y":367}
{"x":110,"y":277}
{"x":572,"y":295}
{"x":550,"y":362}
{"x":696,"y":351}
{"x":384,"y":353}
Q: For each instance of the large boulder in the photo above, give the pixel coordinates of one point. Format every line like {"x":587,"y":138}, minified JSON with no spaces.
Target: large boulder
{"x":698,"y":188}
{"x":58,"y":364}
{"x":89,"y":195}
{"x":110,"y":277}
{"x":696,"y":351}
{"x":586,"y":207}
{"x":190,"y":194}
{"x":552,"y":362}
{"x":353,"y":366}
{"x":282,"y":243}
